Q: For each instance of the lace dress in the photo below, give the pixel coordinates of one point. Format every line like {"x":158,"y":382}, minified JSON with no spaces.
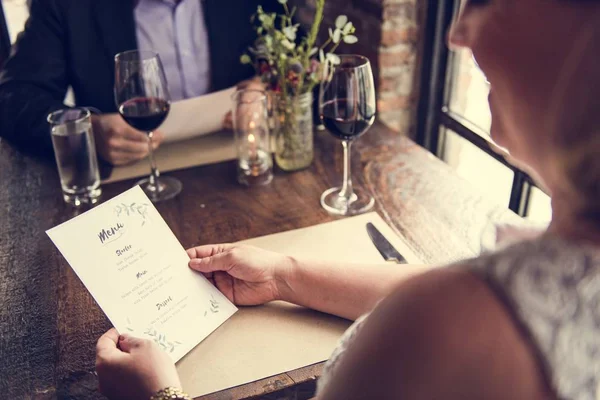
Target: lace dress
{"x":553,"y":289}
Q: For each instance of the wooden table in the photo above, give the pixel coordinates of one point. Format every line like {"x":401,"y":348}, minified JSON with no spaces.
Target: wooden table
{"x":49,"y":323}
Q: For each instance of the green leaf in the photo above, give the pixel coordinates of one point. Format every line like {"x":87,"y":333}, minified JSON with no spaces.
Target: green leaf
{"x":350,"y":39}
{"x":282,"y":1}
{"x":313,"y":51}
{"x":341,"y":21}
{"x":331,"y":33}
{"x":321,"y":56}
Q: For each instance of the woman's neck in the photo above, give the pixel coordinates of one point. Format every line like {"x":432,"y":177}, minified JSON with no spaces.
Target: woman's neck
{"x":570,"y":221}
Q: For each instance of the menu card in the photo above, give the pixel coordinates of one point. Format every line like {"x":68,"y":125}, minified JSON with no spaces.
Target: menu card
{"x":137,"y":271}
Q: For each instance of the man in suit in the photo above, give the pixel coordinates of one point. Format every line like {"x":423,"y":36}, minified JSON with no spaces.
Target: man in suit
{"x":73,"y":43}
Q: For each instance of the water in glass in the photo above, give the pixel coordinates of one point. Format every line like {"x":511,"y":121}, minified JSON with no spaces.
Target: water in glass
{"x":77,"y":162}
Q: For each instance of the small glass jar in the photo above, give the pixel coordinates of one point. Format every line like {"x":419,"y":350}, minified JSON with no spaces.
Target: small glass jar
{"x":294,"y":147}
{"x":251,"y":127}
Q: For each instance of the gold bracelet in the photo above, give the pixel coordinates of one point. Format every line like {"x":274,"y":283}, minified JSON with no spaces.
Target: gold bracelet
{"x":170,"y":393}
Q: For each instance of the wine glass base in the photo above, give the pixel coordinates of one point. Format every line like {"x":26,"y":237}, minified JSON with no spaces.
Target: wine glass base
{"x":360,"y":202}
{"x":166,"y":188}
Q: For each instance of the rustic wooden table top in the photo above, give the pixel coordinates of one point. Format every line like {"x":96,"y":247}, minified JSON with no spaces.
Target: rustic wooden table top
{"x":49,"y":323}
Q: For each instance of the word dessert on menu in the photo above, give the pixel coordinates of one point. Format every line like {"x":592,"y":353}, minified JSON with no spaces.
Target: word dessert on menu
{"x":137,"y":271}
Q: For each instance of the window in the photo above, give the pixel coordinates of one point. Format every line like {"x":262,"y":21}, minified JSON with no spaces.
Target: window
{"x":455,"y":120}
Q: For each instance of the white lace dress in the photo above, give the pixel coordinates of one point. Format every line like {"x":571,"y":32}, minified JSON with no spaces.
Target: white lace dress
{"x":553,"y":289}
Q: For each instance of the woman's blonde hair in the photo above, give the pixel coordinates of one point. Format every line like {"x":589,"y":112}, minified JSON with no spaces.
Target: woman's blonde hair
{"x":574,"y":118}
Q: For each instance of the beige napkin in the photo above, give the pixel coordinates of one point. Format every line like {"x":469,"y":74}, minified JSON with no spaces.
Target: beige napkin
{"x":259,"y":342}
{"x":202,"y":150}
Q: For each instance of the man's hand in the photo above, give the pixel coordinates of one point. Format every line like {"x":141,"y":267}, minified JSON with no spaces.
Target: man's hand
{"x":118,"y":143}
{"x":249,"y":84}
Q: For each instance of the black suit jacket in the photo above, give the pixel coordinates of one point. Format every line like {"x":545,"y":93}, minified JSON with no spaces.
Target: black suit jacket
{"x":73,"y":43}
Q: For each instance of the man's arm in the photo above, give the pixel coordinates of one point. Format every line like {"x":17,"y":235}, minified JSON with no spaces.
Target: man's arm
{"x":34,"y":80}
{"x":34,"y":83}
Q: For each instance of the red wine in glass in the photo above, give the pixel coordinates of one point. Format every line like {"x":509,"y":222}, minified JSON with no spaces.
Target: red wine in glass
{"x":340,"y":120}
{"x":142,"y":98}
{"x":347,"y":109}
{"x":145,"y":113}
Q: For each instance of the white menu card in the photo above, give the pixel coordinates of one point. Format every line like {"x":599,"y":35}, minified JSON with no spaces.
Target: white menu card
{"x":137,"y":271}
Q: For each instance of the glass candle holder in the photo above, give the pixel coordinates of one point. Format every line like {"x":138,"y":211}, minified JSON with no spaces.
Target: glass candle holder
{"x":251,"y":126}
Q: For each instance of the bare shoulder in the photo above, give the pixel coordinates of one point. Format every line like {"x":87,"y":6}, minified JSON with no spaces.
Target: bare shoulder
{"x":443,"y":334}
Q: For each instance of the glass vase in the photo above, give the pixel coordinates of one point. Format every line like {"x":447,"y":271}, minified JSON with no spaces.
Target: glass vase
{"x":293,"y":125}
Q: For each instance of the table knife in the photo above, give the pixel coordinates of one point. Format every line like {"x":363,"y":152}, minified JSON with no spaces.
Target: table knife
{"x":384,"y":247}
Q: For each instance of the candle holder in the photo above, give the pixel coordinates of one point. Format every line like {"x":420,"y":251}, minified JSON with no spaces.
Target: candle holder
{"x":251,"y":126}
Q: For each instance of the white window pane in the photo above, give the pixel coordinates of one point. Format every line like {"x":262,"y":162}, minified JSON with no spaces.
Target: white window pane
{"x":469,"y":91}
{"x":539,"y":208}
{"x":16,"y":13}
{"x":473,"y":164}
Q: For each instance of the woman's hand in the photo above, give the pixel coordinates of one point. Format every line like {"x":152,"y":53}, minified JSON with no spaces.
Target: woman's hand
{"x":246,"y":275}
{"x":132,"y":368}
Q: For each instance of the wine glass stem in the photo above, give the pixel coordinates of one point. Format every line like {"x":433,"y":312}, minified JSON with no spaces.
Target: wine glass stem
{"x":347,"y":189}
{"x":154,"y":174}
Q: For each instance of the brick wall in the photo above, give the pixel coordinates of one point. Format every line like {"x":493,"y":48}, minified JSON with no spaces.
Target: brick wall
{"x":389,"y":33}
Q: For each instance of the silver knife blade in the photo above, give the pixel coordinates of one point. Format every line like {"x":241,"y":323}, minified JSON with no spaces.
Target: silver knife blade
{"x":384,"y":247}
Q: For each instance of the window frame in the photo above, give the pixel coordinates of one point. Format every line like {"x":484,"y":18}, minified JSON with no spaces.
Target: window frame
{"x":433,"y":111}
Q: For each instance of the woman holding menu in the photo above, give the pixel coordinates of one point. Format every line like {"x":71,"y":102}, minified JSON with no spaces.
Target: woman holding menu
{"x":521,"y":323}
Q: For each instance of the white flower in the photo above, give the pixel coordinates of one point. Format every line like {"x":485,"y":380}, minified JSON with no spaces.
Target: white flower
{"x":333,"y":59}
{"x":347,"y":28}
{"x":337,"y":34}
{"x":290,"y":32}
{"x":287,"y":44}
{"x":341,"y":21}
{"x":350,"y":39}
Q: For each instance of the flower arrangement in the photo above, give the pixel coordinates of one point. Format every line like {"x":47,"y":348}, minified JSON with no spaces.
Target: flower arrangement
{"x":286,"y":63}
{"x":290,"y":65}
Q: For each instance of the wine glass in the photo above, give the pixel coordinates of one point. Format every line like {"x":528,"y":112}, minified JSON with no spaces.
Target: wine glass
{"x":143,"y":100}
{"x":347,"y":110}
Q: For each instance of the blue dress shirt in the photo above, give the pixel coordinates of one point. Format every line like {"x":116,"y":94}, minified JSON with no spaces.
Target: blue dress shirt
{"x":177,"y":32}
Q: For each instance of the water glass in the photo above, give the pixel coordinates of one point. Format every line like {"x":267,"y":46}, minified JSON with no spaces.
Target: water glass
{"x":75,"y":152}
{"x":251,"y":126}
